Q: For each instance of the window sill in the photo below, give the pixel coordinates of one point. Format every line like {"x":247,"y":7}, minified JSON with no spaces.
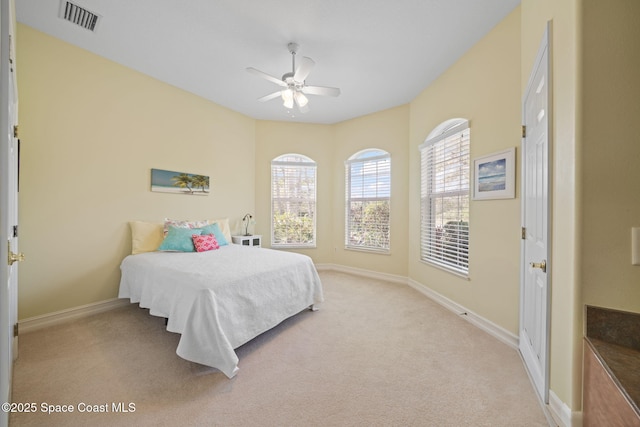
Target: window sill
{"x":446,"y":269}
{"x":368,"y":250}
{"x":293,"y":247}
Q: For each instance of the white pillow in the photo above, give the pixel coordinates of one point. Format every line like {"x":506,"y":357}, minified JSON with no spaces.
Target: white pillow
{"x":179,"y":223}
{"x":222,"y":223}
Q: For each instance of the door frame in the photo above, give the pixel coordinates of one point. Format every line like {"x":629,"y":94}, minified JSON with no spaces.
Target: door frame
{"x":545,"y":47}
{"x":8,"y":202}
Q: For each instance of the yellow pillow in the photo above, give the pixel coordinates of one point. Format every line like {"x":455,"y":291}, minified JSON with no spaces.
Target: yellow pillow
{"x":224,"y":227}
{"x":146,"y":236}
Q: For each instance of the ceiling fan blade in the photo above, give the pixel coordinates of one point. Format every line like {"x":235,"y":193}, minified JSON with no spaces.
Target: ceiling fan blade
{"x":270,"y":96}
{"x":306,"y":64}
{"x":321,"y":90}
{"x":267,"y":76}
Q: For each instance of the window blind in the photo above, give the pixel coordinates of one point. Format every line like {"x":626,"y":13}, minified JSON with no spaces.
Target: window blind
{"x":445,"y":179}
{"x":293,"y":201}
{"x":368,"y":191}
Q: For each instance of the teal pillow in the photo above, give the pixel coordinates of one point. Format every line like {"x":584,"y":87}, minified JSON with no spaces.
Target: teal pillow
{"x":179,"y":240}
{"x":216,"y":231}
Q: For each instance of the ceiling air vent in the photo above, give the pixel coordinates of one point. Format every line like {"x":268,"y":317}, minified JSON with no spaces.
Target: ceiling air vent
{"x":78,"y":15}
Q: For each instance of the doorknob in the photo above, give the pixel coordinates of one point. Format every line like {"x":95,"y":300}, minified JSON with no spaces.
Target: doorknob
{"x":13,"y":257}
{"x":541,"y":265}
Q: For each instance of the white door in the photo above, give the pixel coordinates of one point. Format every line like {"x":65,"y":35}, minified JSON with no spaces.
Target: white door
{"x":535,"y":268}
{"x":8,"y":202}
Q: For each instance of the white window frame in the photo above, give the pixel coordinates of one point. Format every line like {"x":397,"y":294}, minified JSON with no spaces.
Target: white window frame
{"x":361,"y":158}
{"x":444,"y":235}
{"x":294,"y":163}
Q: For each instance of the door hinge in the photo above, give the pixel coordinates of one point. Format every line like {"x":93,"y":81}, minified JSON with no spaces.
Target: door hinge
{"x":15,"y":231}
{"x":15,"y":330}
{"x":15,"y":131}
{"x":524,"y":233}
{"x":524,"y":131}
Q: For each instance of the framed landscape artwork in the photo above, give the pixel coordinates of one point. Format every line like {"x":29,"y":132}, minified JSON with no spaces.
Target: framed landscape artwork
{"x":494,"y":176}
{"x":165,"y":181}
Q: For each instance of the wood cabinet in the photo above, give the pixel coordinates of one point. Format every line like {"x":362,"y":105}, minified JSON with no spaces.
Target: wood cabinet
{"x":604,"y":402}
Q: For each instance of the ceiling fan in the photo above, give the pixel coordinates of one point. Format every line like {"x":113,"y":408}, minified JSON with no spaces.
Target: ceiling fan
{"x":293,"y":83}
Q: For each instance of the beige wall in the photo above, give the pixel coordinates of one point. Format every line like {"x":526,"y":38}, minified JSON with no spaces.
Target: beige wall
{"x":387,"y":130}
{"x":483,"y":87}
{"x":611,"y":152}
{"x":329,"y":146}
{"x":274,"y":139}
{"x":91,"y":130}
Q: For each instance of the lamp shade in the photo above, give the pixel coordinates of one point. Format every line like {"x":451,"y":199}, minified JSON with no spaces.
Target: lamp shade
{"x":287,"y":97}
{"x":301,"y":100}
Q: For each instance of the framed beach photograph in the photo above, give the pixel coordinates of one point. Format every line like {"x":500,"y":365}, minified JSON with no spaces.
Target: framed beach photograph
{"x":494,"y":176}
{"x":165,"y":181}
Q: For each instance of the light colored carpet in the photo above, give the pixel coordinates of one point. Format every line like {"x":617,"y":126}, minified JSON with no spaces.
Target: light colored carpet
{"x":376,"y":354}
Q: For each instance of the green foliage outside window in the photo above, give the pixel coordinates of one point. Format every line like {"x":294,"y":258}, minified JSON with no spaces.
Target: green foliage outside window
{"x":292,"y":229}
{"x":369,"y":224}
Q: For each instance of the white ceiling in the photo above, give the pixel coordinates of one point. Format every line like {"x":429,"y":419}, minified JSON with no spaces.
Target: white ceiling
{"x":380,"y":53}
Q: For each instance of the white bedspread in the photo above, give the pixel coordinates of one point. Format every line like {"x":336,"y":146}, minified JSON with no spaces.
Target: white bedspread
{"x":219,"y":300}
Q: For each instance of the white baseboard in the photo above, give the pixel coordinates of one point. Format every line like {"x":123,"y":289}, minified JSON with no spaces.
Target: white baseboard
{"x":38,"y":322}
{"x":561,"y":412}
{"x":363,"y":273}
{"x":557,"y":411}
{"x":486,"y":325}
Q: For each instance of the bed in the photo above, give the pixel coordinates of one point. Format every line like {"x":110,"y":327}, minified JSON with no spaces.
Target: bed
{"x":220,"y":299}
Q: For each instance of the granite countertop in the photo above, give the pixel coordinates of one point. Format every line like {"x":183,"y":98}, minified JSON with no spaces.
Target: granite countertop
{"x":615,"y":338}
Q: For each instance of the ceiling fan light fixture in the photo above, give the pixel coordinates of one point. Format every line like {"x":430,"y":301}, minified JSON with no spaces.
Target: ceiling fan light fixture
{"x":301,"y":100}
{"x":293,"y":83}
{"x":287,"y":98}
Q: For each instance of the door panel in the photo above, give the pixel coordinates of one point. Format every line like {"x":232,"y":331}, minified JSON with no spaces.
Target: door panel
{"x":535,"y":268}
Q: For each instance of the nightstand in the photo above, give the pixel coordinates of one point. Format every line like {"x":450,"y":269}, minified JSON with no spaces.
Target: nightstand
{"x":255,"y":240}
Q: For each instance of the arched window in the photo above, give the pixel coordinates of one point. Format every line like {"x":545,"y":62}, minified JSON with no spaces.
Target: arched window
{"x":444,"y":194}
{"x":368,"y":192}
{"x":293,"y":201}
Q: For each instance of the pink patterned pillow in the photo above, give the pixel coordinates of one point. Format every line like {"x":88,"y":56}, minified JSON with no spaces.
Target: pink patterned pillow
{"x":205,"y":243}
